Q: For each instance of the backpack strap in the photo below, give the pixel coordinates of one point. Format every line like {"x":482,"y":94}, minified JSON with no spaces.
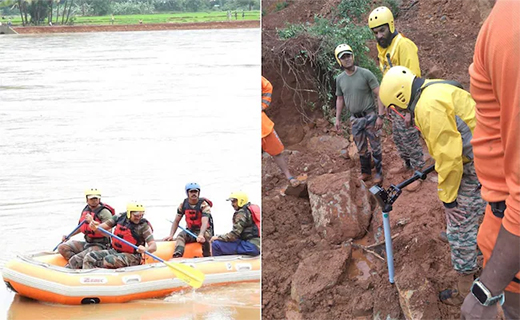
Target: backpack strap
{"x":419,"y":91}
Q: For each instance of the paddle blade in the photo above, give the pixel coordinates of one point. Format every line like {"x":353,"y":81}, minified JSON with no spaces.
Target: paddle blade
{"x":190,"y":275}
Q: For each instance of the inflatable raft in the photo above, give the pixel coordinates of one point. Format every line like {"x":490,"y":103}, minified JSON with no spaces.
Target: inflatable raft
{"x":42,"y":276}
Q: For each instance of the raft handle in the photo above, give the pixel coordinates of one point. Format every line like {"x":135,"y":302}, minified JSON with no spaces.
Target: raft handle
{"x":90,"y":300}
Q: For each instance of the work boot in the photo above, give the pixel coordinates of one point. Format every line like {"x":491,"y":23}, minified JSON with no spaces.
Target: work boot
{"x":456,"y":297}
{"x":378,"y":162}
{"x":365,"y":167}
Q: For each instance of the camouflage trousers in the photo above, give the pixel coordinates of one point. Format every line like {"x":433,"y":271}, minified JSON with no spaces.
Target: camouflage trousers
{"x":364,"y":133}
{"x":74,"y":251}
{"x":408,"y":143}
{"x":184,"y":238}
{"x":111,"y":259}
{"x":463,"y":237}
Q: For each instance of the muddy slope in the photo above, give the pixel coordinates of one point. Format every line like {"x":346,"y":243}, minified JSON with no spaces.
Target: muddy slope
{"x":343,"y":280}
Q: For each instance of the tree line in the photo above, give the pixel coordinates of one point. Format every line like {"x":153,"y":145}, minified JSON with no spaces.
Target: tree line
{"x":35,"y":12}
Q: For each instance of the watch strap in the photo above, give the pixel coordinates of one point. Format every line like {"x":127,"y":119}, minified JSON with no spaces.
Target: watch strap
{"x":483,"y":295}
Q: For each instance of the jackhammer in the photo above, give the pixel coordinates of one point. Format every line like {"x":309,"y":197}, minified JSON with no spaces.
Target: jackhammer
{"x":386,"y":198}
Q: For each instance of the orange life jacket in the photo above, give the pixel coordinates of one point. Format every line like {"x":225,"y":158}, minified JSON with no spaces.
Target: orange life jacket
{"x":126,"y":229}
{"x":85,"y":228}
{"x":194,"y":215}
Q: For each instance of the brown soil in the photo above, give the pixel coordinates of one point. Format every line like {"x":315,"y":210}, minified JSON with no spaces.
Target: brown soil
{"x":445,"y":32}
{"x":139,"y":27}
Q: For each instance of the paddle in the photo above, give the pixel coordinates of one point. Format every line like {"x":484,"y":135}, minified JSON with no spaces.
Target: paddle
{"x":194,"y":236}
{"x":70,"y":234}
{"x":185,"y":230}
{"x":191,"y":276}
{"x":188,"y":232}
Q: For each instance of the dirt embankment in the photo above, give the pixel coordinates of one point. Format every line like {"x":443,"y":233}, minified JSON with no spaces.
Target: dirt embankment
{"x":140,"y":27}
{"x":305,"y":276}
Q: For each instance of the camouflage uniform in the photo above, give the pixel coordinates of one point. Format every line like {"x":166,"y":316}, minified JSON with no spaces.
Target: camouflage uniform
{"x":364,"y":133}
{"x":184,"y":238}
{"x":463,"y":237}
{"x":243,"y":236}
{"x":113,"y":258}
{"x":357,"y":92}
{"x":74,"y":251}
{"x":407,"y":141}
{"x":80,"y":249}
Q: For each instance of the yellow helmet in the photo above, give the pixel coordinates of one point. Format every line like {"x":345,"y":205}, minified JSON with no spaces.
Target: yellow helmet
{"x":134,"y":206}
{"x":381,"y":16}
{"x":93,"y":192}
{"x":240,"y":196}
{"x":342,"y":48}
{"x":396,"y":87}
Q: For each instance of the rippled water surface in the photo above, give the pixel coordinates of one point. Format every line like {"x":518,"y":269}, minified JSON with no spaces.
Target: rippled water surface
{"x":138,"y":115}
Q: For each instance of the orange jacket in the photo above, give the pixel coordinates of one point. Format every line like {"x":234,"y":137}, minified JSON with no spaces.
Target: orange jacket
{"x":495,"y":83}
{"x":267,"y":91}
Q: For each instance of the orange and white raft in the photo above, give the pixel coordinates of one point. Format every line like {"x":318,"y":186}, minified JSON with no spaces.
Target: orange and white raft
{"x":42,"y":276}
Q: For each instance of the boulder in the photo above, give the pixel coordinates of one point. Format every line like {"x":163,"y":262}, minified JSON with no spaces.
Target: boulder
{"x":318,"y":272}
{"x":418,"y":298}
{"x":340,"y":206}
{"x":327,"y":144}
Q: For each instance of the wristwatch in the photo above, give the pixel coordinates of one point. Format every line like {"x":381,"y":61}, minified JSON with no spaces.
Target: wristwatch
{"x":483,"y":295}
{"x":381,"y":116}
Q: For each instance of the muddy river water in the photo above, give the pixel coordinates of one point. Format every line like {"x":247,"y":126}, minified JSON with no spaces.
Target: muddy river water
{"x":137,"y":115}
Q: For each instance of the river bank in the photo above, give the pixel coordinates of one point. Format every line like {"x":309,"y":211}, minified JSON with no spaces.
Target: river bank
{"x":139,"y":27}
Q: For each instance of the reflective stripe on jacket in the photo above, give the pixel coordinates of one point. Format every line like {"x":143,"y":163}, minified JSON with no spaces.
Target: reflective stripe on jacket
{"x":267,"y":91}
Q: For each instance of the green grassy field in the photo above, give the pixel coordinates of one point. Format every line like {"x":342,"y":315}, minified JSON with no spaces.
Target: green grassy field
{"x":182,"y":17}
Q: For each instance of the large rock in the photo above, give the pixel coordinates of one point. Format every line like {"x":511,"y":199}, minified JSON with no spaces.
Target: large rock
{"x":417,"y":296}
{"x":327,"y":144}
{"x":340,"y":206}
{"x":318,"y":272}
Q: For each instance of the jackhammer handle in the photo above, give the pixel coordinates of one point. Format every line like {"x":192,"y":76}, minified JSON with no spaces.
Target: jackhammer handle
{"x":416,"y":176}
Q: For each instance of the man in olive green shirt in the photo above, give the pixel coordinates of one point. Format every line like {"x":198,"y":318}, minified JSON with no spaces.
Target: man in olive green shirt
{"x":355,"y":89}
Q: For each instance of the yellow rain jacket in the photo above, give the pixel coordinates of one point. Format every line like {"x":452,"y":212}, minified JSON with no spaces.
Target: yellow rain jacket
{"x":403,"y":52}
{"x":445,"y":114}
{"x":267,"y":91}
